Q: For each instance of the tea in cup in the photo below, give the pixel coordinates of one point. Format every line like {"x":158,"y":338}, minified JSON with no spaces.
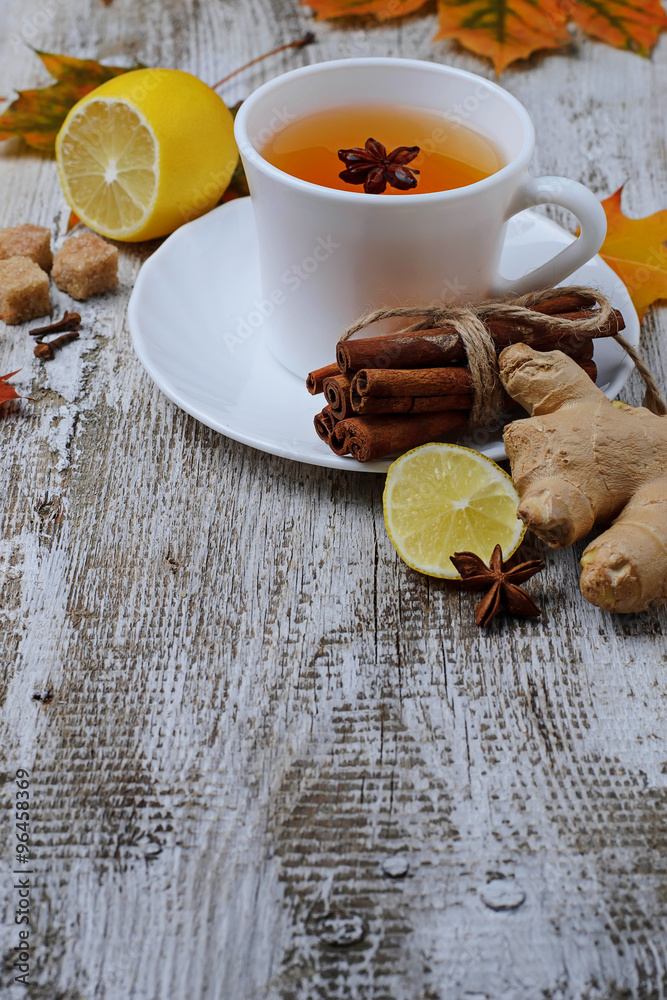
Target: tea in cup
{"x":350,"y":218}
{"x":447,"y":155}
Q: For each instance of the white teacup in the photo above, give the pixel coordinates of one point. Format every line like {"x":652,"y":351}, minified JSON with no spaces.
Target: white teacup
{"x":329,"y":256}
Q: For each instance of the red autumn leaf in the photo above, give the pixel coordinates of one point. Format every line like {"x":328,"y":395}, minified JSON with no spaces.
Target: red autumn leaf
{"x":637,"y":250}
{"x":37,"y":115}
{"x":8,"y":392}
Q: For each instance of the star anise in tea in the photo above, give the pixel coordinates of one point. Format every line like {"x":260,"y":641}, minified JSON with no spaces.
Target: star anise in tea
{"x":374,"y":167}
{"x":501,"y":581}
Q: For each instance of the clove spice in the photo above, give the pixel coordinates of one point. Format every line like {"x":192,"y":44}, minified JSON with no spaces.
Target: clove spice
{"x":70,"y":321}
{"x":46,"y":351}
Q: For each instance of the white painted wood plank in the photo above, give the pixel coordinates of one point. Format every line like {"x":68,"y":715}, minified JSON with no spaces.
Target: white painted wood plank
{"x":253,"y":703}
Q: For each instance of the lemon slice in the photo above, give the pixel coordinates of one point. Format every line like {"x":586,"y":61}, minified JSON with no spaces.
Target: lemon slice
{"x":110,"y":167}
{"x":440,"y":499}
{"x":145,"y":153}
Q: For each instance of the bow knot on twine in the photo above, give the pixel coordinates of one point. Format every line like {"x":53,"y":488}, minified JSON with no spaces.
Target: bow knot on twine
{"x":480,"y":348}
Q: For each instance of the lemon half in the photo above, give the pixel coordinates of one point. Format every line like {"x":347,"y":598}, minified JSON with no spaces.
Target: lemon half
{"x":442,"y":498}
{"x":145,"y":153}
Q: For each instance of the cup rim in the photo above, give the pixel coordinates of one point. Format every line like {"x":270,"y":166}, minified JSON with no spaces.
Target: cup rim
{"x":253,"y":156}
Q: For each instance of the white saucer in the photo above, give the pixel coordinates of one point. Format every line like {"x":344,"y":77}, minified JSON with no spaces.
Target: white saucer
{"x":195,"y":290}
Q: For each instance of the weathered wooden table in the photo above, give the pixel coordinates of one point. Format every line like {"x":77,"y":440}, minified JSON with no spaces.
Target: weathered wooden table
{"x":253,"y":735}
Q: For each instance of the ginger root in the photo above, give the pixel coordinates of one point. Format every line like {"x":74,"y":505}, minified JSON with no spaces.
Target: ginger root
{"x":580,"y":460}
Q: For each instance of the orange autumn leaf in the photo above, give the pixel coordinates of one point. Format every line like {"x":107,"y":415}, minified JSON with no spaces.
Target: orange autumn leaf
{"x":72,"y":221}
{"x":383,"y":10}
{"x":8,"y":392}
{"x":507,"y":30}
{"x":503,"y":30}
{"x":635,"y":249}
{"x":37,"y":115}
{"x":625,"y":24}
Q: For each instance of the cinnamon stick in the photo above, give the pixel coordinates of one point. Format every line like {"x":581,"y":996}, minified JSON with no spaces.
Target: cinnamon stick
{"x":368,"y":438}
{"x":315,"y":380}
{"x":443,"y":345}
{"x":324,"y":424}
{"x":563,"y":302}
{"x":373,"y":405}
{"x":337,"y":395}
{"x":550,"y":339}
{"x":338,"y":442}
{"x":400,"y":350}
{"x":582,"y":350}
{"x":411,"y":382}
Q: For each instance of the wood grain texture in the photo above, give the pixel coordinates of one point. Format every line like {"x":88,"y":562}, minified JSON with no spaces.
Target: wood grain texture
{"x":268,"y":760}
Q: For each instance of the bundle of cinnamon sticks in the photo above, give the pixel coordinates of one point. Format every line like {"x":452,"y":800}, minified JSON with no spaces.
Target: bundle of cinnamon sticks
{"x":388,"y":394}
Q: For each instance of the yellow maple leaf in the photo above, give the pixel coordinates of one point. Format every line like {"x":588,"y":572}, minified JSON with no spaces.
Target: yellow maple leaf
{"x":383,"y":10}
{"x":503,"y":30}
{"x":636,"y":250}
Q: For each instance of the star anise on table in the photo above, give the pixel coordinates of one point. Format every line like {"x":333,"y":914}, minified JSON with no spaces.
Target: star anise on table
{"x":502,"y":583}
{"x":374,"y":167}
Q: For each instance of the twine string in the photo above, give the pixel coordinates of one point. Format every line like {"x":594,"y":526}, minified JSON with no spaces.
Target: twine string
{"x":487,"y":389}
{"x":480,"y":349}
{"x":653,"y":400}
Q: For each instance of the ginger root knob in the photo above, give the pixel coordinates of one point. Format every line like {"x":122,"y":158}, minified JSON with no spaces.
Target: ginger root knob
{"x":625,"y":569}
{"x":578,"y":461}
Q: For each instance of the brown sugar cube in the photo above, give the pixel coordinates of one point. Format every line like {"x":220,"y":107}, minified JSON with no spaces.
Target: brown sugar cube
{"x":27,"y":241}
{"x":86,"y":265}
{"x":24,"y":290}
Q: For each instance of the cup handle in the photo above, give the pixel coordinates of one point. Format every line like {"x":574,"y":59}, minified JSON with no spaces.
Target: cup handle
{"x":588,"y":210}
